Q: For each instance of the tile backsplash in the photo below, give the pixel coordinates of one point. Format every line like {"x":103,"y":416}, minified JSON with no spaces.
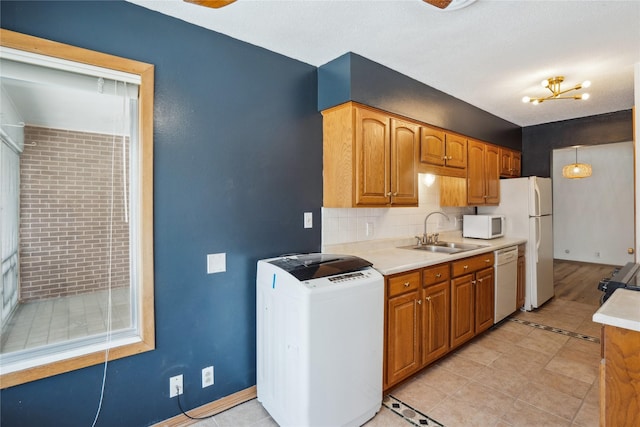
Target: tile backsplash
{"x":344,"y":225}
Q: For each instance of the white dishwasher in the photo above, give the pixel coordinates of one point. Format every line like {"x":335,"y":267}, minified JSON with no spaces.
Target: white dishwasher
{"x":506,"y":271}
{"x":320,"y":322}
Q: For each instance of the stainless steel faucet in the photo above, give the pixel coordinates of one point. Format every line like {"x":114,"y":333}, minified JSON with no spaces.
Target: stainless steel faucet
{"x":429,"y":239}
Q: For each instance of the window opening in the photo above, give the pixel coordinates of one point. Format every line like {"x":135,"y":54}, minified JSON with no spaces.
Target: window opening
{"x":71,"y":277}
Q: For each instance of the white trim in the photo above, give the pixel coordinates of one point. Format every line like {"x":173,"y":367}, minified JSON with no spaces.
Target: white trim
{"x":49,"y":354}
{"x":63,"y":64}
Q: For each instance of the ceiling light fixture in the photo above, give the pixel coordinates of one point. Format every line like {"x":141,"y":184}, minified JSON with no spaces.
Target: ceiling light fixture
{"x":449,"y":5}
{"x":553,"y":84}
{"x":576,"y":170}
{"x":211,"y":3}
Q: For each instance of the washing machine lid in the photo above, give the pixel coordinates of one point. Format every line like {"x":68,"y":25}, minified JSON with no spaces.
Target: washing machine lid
{"x":314,"y":266}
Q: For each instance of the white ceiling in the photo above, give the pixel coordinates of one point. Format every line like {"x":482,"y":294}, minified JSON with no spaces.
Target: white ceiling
{"x":489,"y":54}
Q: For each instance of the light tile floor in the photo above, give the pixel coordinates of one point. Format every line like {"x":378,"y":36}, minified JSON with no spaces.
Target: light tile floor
{"x":54,"y":320}
{"x":515,"y":374}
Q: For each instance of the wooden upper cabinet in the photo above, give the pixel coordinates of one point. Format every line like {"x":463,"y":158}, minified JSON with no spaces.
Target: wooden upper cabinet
{"x":456,"y":150}
{"x":405,"y":146}
{"x":483,"y":174}
{"x":492,"y":174}
{"x":476,"y":173}
{"x":369,"y":158}
{"x":510,"y":163}
{"x":432,"y":146}
{"x":373,"y":153}
{"x":442,"y":153}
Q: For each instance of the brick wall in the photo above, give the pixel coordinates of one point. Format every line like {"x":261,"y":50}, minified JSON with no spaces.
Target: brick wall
{"x":65,"y":205}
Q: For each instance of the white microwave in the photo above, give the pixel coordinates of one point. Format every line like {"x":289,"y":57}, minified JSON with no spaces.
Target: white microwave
{"x":483,"y":226}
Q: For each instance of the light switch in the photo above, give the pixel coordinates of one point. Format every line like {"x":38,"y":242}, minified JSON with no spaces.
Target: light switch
{"x":308,"y":220}
{"x":216,"y":263}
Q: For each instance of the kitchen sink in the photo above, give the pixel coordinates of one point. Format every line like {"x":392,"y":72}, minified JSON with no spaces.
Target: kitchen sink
{"x":445,"y":247}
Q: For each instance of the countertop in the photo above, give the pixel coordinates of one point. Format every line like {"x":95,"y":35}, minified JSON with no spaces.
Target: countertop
{"x":622,"y":309}
{"x":388,"y":258}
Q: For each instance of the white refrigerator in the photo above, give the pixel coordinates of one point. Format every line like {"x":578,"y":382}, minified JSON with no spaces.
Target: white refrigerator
{"x":527,"y":205}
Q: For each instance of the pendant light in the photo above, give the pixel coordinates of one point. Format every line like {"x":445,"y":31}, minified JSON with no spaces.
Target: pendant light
{"x":576,"y":170}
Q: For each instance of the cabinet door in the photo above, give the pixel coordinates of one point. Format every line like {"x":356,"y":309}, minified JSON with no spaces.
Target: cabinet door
{"x":475,"y":173}
{"x":505,"y":162}
{"x":516,"y":164}
{"x":435,"y":322}
{"x":484,"y":294}
{"x":620,"y":378}
{"x":372,"y":168}
{"x":492,"y":174}
{"x":403,"y":345}
{"x":405,"y":147}
{"x":462,"y":312}
{"x":456,"y":151}
{"x":432,"y":146}
{"x":520,"y":290}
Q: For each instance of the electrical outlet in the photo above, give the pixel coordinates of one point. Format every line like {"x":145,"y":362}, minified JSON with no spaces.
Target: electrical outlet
{"x":308,"y":220}
{"x":175,"y":386}
{"x":216,"y":263}
{"x":207,"y":376}
{"x":369,"y":229}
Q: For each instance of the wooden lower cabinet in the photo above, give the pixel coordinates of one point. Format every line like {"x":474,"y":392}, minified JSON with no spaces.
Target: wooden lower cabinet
{"x":484,"y":304}
{"x":462,"y":309}
{"x":620,"y":378}
{"x":472,"y":297}
{"x":427,"y":314}
{"x":435,"y":322}
{"x":402,"y":341}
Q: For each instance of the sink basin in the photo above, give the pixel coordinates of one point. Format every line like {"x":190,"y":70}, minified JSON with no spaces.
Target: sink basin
{"x":456,"y":245}
{"x":445,"y":247}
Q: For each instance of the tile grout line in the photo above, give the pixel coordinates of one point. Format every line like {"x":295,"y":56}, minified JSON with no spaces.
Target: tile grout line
{"x":555,"y":330}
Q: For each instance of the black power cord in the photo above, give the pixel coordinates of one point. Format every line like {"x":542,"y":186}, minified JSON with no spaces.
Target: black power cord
{"x":185,"y":413}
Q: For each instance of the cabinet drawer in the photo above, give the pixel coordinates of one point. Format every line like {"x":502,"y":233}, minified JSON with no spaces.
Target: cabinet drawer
{"x":404,"y":283}
{"x":436,"y":274}
{"x":471,"y":264}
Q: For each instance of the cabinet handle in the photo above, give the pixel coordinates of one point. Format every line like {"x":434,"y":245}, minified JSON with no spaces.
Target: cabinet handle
{"x":395,"y":194}
{"x":465,"y":267}
{"x":473,"y":282}
{"x":487,"y":260}
{"x":439,"y":275}
{"x":406,"y":284}
{"x":419,"y":301}
{"x":428,"y":299}
{"x":449,"y":158}
{"x":479,"y":280}
{"x":389,"y":193}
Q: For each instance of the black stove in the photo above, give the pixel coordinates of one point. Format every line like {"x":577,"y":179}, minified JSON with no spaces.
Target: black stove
{"x":627,"y":277}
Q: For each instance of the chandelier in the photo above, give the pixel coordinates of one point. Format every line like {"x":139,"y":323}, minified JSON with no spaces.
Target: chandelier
{"x":576,"y":170}
{"x":553,"y":84}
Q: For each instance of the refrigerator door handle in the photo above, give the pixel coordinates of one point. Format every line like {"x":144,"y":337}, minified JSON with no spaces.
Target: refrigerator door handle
{"x":538,"y":236}
{"x":536,"y":199}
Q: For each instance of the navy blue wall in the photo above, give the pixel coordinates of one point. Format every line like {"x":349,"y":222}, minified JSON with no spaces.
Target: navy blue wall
{"x":352,"y":77}
{"x":538,"y":142}
{"x":238,"y":159}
